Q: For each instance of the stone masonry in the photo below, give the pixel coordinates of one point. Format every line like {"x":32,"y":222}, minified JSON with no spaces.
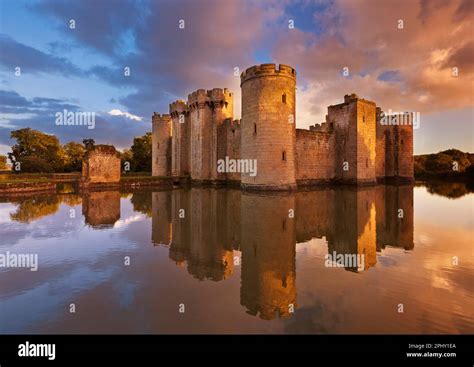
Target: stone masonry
{"x":352,"y":146}
{"x":101,"y":165}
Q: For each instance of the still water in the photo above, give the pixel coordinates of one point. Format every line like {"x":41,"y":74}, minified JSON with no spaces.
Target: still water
{"x":224,"y":261}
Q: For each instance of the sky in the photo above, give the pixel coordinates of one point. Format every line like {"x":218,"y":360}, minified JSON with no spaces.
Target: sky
{"x":72,"y":55}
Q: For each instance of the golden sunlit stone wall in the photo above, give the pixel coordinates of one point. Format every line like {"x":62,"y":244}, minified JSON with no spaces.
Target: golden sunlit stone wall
{"x":268,"y":125}
{"x":314,"y":157}
{"x":349,"y":147}
{"x":353,"y":123}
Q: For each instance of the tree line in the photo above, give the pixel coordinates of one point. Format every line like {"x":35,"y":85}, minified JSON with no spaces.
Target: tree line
{"x":37,"y":152}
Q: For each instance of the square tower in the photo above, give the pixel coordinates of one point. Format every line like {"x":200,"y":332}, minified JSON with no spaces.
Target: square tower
{"x":353,"y":123}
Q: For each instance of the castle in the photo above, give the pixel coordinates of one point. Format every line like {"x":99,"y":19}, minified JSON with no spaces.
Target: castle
{"x":352,"y":146}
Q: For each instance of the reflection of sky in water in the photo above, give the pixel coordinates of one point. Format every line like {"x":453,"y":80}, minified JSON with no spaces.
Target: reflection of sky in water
{"x":72,"y":251}
{"x":85,"y":265}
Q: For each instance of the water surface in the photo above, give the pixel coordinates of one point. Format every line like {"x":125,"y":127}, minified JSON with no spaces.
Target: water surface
{"x":234,"y":262}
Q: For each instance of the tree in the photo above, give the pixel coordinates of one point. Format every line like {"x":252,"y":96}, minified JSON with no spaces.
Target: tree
{"x":126,"y":159}
{"x":89,"y":143}
{"x":74,"y":156}
{"x":35,"y":165}
{"x":32,"y":143}
{"x":141,"y":150}
{"x":3,"y":162}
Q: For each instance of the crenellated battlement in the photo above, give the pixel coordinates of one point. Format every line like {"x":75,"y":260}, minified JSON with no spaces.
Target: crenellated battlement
{"x":263,"y":70}
{"x":213,"y":97}
{"x":178,"y":107}
{"x":198,"y":97}
{"x":219,"y":96}
{"x":160,"y":117}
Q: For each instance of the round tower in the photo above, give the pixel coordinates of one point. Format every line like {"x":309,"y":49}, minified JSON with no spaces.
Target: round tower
{"x":268,"y":126}
{"x":161,"y":145}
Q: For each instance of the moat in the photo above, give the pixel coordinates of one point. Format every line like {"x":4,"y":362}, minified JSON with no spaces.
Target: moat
{"x":205,"y":260}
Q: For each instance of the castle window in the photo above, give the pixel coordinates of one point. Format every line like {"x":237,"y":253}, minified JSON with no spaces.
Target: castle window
{"x":283,"y":98}
{"x":402,"y":141}
{"x":363,"y":118}
{"x":254,"y":128}
{"x":367,"y":162}
{"x":283,"y":156}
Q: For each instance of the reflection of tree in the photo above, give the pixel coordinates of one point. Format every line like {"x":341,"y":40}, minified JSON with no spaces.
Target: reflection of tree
{"x":142,"y":202}
{"x":33,"y":208}
{"x":70,"y":199}
{"x":452,"y":190}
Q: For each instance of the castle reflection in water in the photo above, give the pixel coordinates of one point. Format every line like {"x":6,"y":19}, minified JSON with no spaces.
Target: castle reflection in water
{"x":211,"y":231}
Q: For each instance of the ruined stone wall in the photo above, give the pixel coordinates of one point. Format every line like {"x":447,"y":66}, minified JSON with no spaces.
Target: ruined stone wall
{"x":268,"y":126}
{"x":101,"y":166}
{"x":161,"y":145}
{"x":314,"y":157}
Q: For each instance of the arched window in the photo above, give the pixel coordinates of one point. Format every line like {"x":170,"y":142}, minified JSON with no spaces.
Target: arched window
{"x":283,"y":156}
{"x":254,"y":128}
{"x":283,"y":97}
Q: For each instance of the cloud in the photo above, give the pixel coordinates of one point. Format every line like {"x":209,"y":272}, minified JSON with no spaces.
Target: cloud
{"x":31,"y":60}
{"x":39,"y":113}
{"x":401,"y":69}
{"x":13,"y":103}
{"x":167,"y":62}
{"x":117,"y":112}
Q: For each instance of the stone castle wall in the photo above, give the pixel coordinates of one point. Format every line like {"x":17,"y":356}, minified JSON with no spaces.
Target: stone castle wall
{"x":268,"y":125}
{"x":314,"y":157}
{"x":161,"y":145}
{"x":394,"y":150}
{"x":351,"y":146}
